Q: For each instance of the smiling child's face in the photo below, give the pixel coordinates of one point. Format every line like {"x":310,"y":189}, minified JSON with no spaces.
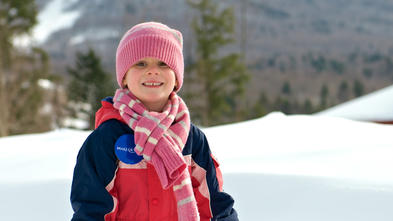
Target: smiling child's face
{"x":151,"y":81}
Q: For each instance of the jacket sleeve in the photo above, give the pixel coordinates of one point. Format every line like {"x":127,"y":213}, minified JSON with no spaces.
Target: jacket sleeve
{"x":221,"y":203}
{"x":94,"y":170}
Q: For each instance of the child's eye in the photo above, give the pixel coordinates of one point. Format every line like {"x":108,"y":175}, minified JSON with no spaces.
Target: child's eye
{"x":162,"y":64}
{"x":140,"y":64}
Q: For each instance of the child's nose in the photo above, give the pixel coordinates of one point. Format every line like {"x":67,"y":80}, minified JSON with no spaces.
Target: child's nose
{"x":153,"y":70}
{"x":152,"y":73}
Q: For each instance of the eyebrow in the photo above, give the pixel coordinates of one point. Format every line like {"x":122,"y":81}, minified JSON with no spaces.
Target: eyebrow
{"x":144,"y":60}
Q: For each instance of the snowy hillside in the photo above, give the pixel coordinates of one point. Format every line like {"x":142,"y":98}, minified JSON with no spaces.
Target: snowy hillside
{"x":376,"y":106}
{"x":278,"y":168}
{"x":64,"y":19}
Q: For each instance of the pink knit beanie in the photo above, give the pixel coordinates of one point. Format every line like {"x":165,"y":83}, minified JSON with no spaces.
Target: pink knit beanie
{"x":150,"y":39}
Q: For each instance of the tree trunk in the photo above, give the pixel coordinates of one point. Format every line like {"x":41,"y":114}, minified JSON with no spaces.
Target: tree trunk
{"x":4,"y":111}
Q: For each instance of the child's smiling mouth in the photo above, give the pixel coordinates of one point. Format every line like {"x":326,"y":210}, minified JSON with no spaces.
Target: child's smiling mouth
{"x":152,"y":84}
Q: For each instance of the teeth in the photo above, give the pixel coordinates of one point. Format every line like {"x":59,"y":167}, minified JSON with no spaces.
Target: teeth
{"x":152,"y":84}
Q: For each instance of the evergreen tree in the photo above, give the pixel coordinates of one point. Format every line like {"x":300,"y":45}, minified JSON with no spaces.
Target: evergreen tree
{"x":323,"y":97}
{"x":261,"y":107}
{"x":286,"y":88}
{"x":358,"y":88}
{"x":17,"y":17}
{"x":308,"y":107}
{"x":388,"y":66}
{"x":88,"y":86}
{"x":283,"y":105}
{"x":221,"y":79}
{"x":367,"y":72}
{"x":319,"y":64}
{"x":337,"y":66}
{"x":27,"y":108}
{"x":343,"y":91}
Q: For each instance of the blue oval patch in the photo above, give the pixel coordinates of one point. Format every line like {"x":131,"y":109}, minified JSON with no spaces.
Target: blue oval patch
{"x":124,"y":149}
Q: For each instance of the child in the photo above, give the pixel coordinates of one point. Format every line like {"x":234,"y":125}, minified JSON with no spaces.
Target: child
{"x":145,"y":161}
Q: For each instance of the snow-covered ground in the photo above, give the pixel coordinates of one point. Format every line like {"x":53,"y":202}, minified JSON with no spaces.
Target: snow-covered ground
{"x":375,"y":106}
{"x":278,"y":168}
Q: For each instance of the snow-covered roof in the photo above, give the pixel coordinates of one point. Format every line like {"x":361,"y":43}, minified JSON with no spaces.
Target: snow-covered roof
{"x":376,"y":106}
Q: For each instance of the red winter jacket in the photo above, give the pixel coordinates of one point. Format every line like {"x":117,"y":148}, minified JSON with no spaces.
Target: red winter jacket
{"x":105,"y":188}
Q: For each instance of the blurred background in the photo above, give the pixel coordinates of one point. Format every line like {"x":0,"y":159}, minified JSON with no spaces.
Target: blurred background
{"x":280,"y":74}
{"x":243,"y":58}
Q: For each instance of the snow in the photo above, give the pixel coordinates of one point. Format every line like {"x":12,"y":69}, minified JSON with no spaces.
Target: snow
{"x":283,"y":144}
{"x":93,"y":34}
{"x":76,"y":123}
{"x":376,"y":106}
{"x":277,"y":168}
{"x":46,"y":84}
{"x":46,"y":22}
{"x":52,"y":18}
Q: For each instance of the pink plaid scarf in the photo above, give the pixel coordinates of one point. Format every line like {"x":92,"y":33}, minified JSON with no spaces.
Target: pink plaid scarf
{"x":160,"y":138}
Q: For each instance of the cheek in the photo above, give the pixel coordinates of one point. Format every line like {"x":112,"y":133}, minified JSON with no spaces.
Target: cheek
{"x":174,"y":79}
{"x":131,"y":78}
